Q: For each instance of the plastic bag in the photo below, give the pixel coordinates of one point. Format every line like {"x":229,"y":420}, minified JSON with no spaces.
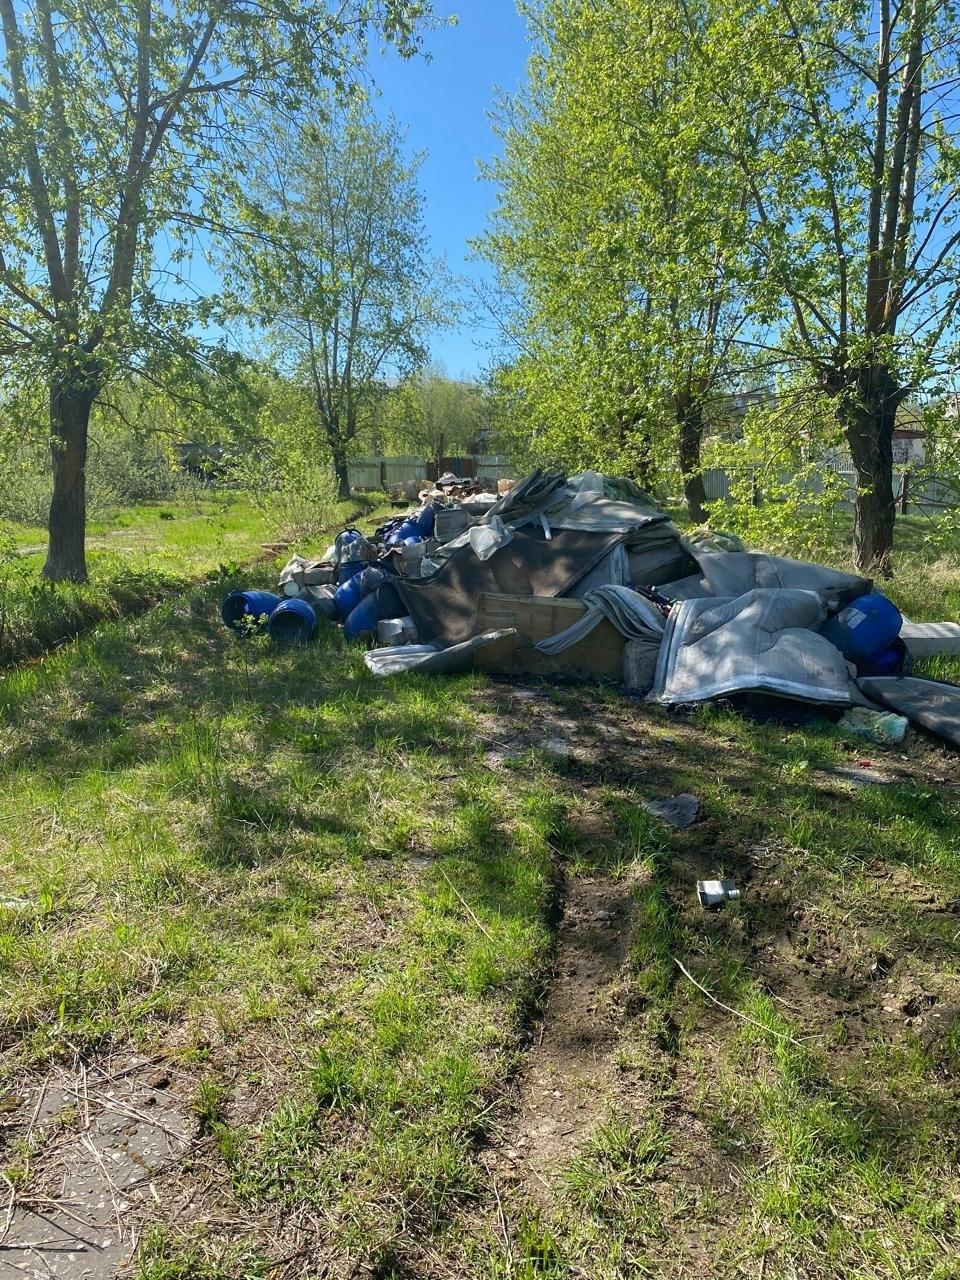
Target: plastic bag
{"x":881,"y":727}
{"x":589,"y":487}
{"x":487,"y":539}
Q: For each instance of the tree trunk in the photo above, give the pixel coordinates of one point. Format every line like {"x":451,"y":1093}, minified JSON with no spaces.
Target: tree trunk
{"x":691,"y":425}
{"x":70,"y":406}
{"x":341,"y":472}
{"x":869,"y":415}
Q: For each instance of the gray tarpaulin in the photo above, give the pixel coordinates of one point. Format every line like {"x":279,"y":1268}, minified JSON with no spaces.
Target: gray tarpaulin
{"x":546,"y":502}
{"x":648,"y":556}
{"x":934,"y":705}
{"x":612,"y":571}
{"x":430,"y":658}
{"x":761,"y":641}
{"x":731,"y":573}
{"x":657,"y":555}
{"x":531,"y":494}
{"x":634,"y":617}
{"x":444,"y":606}
{"x":563,"y":504}
{"x":692,"y":587}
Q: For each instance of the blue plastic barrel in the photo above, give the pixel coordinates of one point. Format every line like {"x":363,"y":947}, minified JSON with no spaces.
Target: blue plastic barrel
{"x":345,"y":538}
{"x":379,"y":604}
{"x":889,"y":662}
{"x":865,"y":628}
{"x":425,"y":520}
{"x":247,"y":610}
{"x":408,"y":530}
{"x":292,"y":622}
{"x":349,"y":569}
{"x":349,"y":594}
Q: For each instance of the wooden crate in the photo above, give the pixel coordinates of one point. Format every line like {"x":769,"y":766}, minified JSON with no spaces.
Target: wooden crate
{"x":598,"y":657}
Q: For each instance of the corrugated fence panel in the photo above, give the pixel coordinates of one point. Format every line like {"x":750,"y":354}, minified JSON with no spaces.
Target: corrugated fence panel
{"x":716,"y":482}
{"x":364,"y":475}
{"x":924,"y":497}
{"x":371,"y":473}
{"x":397,"y":470}
{"x":494,"y":467}
{"x":932,"y":496}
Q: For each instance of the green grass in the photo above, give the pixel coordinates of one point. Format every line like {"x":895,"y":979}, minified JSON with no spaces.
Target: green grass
{"x":789,"y":1140}
{"x":238,"y":865}
{"x":291,"y":880}
{"x":136,"y":556}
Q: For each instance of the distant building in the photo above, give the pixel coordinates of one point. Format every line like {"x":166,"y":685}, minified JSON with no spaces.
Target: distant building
{"x":909,"y":446}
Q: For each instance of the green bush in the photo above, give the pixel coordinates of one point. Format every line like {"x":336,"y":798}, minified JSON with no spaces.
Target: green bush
{"x":295,"y":489}
{"x":27,"y":485}
{"x":123,"y":469}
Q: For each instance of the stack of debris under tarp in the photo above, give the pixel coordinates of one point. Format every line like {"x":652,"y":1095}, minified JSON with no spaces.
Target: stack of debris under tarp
{"x":584,"y":578}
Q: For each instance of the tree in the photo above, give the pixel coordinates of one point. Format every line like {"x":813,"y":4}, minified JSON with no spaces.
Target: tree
{"x":433,"y":415}
{"x":623,"y":230}
{"x":842,"y":116}
{"x":342,"y":279}
{"x":123,"y":123}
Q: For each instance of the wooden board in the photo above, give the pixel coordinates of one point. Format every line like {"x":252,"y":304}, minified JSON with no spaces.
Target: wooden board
{"x":598,"y":656}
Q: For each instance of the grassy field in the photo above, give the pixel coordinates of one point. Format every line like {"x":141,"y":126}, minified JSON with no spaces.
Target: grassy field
{"x":398,"y":966}
{"x":135,"y":556}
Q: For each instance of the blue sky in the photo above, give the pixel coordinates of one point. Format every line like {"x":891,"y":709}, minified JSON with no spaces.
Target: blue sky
{"x":444,"y":104}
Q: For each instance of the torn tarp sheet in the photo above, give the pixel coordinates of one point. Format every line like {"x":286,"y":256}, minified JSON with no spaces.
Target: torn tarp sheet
{"x":632,"y":615}
{"x":762,"y":641}
{"x":562,"y":503}
{"x":930,"y":703}
{"x":731,"y":573}
{"x":428,"y":658}
{"x":444,"y":606}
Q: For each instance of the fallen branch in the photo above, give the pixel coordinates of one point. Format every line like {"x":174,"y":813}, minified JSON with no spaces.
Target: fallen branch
{"x":745,"y":1017}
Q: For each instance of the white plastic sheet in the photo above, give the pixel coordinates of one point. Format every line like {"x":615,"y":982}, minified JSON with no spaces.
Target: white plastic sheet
{"x":487,"y":539}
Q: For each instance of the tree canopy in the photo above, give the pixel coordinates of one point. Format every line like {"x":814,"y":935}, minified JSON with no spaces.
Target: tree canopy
{"x":341,"y":277}
{"x":694,"y":189}
{"x":124,"y":124}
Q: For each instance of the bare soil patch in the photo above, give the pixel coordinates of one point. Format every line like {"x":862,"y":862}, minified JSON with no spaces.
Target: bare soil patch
{"x":570,"y":1076}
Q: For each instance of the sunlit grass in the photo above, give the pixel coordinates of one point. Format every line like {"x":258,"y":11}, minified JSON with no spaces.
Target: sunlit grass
{"x":269,"y":864}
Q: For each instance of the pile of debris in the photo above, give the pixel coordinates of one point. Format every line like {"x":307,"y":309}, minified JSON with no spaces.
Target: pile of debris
{"x":584,"y":578}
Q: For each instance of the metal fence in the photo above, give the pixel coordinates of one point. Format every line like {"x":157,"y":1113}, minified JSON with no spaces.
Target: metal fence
{"x":913,"y":495}
{"x":924,"y":496}
{"x":384,"y":473}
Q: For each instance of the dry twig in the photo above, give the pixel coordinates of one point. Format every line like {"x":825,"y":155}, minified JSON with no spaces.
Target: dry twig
{"x":745,"y":1017}
{"x":469,"y":910}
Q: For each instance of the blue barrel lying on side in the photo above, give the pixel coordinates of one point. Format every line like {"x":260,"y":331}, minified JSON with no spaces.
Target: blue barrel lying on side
{"x":407,"y":532}
{"x":892,"y":661}
{"x":292,"y":622}
{"x":373,"y":608}
{"x":866,"y":631}
{"x":349,"y":594}
{"x":248,"y":611}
